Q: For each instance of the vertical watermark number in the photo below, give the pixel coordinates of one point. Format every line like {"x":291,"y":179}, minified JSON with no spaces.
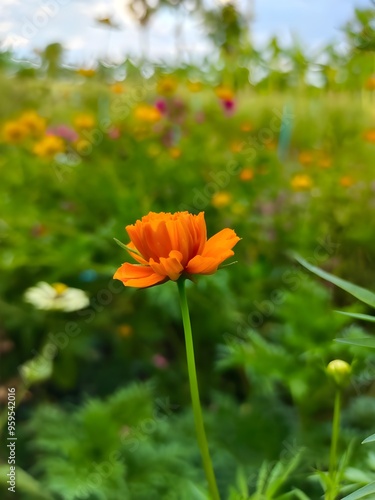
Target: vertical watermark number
{"x":11,"y":439}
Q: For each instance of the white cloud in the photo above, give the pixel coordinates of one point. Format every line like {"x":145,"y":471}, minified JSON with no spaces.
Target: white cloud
{"x":14,"y":42}
{"x":74,"y":43}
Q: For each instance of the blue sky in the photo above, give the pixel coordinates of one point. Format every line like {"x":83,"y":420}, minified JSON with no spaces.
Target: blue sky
{"x":32,"y":25}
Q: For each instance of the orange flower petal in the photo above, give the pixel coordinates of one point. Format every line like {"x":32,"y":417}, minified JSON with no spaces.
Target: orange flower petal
{"x":136,"y":238}
{"x":135,"y":256}
{"x":202,"y":265}
{"x":170,"y":267}
{"x":220,"y":242}
{"x":137,"y":276}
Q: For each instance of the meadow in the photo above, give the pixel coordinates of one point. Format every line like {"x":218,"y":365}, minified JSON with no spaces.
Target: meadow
{"x":103,"y":409}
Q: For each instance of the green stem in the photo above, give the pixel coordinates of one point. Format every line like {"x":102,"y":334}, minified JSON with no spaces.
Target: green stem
{"x":335,"y":437}
{"x":194,"y":391}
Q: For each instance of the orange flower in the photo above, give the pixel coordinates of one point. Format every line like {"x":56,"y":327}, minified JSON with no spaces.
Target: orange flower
{"x":370,"y":83}
{"x":246,"y":127}
{"x":369,"y":135}
{"x":346,"y":181}
{"x":175,"y":153}
{"x":125,"y":330}
{"x":271,"y":145}
{"x":168,"y":246}
{"x":305,"y":158}
{"x":324,"y":161}
{"x":246,"y":174}
{"x":117,"y":88}
{"x":224,"y":93}
{"x":236,"y":146}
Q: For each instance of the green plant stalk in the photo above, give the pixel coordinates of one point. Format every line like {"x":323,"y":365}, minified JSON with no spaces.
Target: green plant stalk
{"x":194,"y":391}
{"x":333,"y":452}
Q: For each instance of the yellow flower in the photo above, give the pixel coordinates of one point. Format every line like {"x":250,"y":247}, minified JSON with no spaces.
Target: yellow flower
{"x":14,"y":132}
{"x":221,"y":199}
{"x":59,"y":288}
{"x":84,"y":121}
{"x":35,"y":124}
{"x":87,"y":72}
{"x":146,"y":113}
{"x":236,"y":146}
{"x":246,"y":174}
{"x":194,"y":86}
{"x":49,"y":146}
{"x":301,"y":181}
{"x":167,"y":85}
{"x":83,"y":147}
{"x":224,"y":93}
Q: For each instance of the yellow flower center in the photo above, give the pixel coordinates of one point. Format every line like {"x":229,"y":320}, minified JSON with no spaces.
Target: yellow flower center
{"x":59,"y":288}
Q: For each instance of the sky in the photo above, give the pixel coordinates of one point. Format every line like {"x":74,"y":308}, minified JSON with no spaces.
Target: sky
{"x":29,"y":26}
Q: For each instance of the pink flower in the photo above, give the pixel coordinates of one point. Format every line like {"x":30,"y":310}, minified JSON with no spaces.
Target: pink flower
{"x":228,"y":106}
{"x":114,"y":133}
{"x":160,"y":361}
{"x":200,"y":117}
{"x":63,"y":131}
{"x":161,"y":105}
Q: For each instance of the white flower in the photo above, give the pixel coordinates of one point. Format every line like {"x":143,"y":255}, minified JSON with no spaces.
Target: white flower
{"x":56,"y":297}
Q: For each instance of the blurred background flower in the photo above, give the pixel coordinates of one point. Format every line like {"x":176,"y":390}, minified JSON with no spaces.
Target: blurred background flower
{"x":56,"y":297}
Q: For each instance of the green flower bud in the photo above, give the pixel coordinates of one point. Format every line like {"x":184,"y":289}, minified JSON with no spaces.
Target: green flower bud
{"x":340,"y":371}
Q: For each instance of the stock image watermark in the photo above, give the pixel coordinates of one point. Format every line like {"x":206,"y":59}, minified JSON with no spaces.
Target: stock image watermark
{"x":11,"y":439}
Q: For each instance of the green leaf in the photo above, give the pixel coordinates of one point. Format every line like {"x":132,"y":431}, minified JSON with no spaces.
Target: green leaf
{"x":280,"y":475}
{"x":365,"y":317}
{"x":358,"y":292}
{"x":130,"y":250}
{"x":369,"y":439}
{"x":365,"y":342}
{"x":300,"y":494}
{"x":362,"y":492}
{"x":39,"y":368}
